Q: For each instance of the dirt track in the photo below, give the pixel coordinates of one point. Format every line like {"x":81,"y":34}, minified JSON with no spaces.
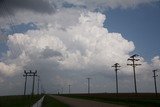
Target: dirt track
{"x":72,"y":102}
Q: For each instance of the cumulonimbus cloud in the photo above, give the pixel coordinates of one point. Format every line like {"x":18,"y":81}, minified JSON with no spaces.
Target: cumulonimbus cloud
{"x":85,"y":44}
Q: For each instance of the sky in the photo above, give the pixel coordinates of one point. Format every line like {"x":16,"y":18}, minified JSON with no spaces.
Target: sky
{"x":67,"y":41}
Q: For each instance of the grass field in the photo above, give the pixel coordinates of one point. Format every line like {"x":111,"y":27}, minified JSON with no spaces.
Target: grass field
{"x":18,"y":101}
{"x":131,"y":100}
{"x":51,"y":102}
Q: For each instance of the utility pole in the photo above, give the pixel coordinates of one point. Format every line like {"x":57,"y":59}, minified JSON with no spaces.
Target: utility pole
{"x":88,"y":85}
{"x":155,"y":83}
{"x":38,"y":77}
{"x":42,"y":89}
{"x":69,"y":87}
{"x":58,"y":91}
{"x":62,"y":90}
{"x":25,"y":75}
{"x":116,"y":66}
{"x":133,"y":60}
{"x":34,"y":74}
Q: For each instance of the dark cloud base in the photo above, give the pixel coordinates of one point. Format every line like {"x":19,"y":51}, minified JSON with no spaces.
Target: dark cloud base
{"x":11,"y":6}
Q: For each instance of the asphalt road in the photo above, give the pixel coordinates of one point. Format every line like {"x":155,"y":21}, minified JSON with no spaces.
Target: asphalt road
{"x":73,"y":102}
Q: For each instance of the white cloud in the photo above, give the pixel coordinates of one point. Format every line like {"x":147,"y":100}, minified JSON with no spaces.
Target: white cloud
{"x":156,"y":62}
{"x":7,"y":69}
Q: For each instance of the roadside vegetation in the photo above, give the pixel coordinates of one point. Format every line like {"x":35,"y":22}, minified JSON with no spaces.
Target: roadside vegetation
{"x":51,"y":102}
{"x":18,"y":101}
{"x":131,"y":100}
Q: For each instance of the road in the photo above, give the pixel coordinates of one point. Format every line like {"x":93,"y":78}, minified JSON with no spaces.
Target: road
{"x":73,"y":102}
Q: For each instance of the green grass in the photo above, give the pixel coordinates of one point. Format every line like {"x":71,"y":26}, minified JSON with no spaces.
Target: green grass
{"x":18,"y":101}
{"x":131,"y":102}
{"x":51,"y":102}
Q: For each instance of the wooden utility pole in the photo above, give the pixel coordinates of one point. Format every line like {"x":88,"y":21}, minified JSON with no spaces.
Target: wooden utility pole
{"x":25,"y":84}
{"x":133,"y":60}
{"x":69,"y":88}
{"x":116,"y":66}
{"x":88,"y":85}
{"x":38,"y":77}
{"x":33,"y":74}
{"x":62,"y":90}
{"x":155,"y":82}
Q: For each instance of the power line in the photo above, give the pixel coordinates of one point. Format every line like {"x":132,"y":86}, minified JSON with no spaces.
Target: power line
{"x":133,"y":60}
{"x":116,"y":66}
{"x":7,"y":13}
